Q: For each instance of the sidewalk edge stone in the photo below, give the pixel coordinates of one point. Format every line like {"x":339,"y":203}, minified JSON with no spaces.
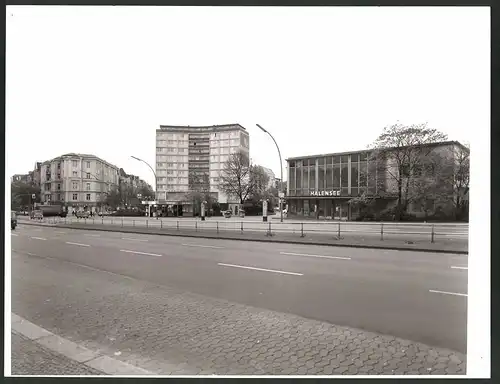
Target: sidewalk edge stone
{"x":74,"y":351}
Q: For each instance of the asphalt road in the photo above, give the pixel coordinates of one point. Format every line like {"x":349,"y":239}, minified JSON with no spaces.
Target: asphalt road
{"x":416,"y":296}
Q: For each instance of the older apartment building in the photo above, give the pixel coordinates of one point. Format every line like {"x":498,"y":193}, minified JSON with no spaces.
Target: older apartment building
{"x":77,"y":180}
{"x":189,"y":158}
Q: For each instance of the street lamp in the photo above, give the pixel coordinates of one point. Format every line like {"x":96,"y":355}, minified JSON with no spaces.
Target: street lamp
{"x":154,"y":173}
{"x":281,"y":170}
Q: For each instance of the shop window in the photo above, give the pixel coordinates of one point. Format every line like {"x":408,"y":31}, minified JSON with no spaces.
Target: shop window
{"x":344,"y":191}
{"x":336,"y":159}
{"x":321,"y":161}
{"x":344,"y":159}
{"x":299,"y":179}
{"x":299,"y":163}
{"x":355,"y":158}
{"x":292,"y":164}
{"x":354,"y":191}
{"x":329,"y":160}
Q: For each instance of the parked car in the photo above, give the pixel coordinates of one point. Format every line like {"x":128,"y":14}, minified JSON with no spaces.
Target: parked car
{"x":37,"y":214}
{"x":82,"y":215}
{"x":13,"y":220}
{"x":227,"y":214}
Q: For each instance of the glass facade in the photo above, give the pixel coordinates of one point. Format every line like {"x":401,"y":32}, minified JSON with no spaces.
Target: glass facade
{"x":322,"y":186}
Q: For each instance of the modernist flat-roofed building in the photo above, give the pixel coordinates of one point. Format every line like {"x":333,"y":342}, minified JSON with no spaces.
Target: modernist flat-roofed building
{"x":192,"y":158}
{"x":77,"y":180}
{"x":322,"y":185}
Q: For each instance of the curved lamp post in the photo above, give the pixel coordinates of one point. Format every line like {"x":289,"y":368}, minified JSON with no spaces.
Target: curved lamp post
{"x":281,"y":169}
{"x":154,"y":173}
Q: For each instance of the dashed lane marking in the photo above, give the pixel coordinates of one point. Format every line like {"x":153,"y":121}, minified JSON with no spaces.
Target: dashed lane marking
{"x":132,"y":239}
{"x":79,"y":244}
{"x":260,"y":269}
{"x":141,"y":253}
{"x":319,"y":256}
{"x":91,"y":235}
{"x":14,"y":234}
{"x":38,"y":238}
{"x":453,"y":267}
{"x":448,"y":293}
{"x":202,"y":246}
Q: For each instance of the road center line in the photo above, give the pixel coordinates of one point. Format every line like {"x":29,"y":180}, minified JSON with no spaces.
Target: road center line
{"x":38,"y":238}
{"x":129,"y":238}
{"x":81,"y":245}
{"x":140,"y":253}
{"x":14,"y":234}
{"x":88,"y":234}
{"x":260,"y":269}
{"x":448,"y":293}
{"x":319,"y":256}
{"x":453,"y":267}
{"x":59,"y":232}
{"x":202,"y":246}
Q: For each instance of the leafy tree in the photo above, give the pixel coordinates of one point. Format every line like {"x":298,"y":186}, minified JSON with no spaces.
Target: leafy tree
{"x":114,"y":198}
{"x":400,"y":155}
{"x":21,"y":195}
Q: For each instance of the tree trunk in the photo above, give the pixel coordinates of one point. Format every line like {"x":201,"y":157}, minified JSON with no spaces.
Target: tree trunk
{"x":400,"y":197}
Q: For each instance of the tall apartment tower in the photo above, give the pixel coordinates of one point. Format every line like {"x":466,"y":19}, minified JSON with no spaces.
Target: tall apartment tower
{"x":193,"y":157}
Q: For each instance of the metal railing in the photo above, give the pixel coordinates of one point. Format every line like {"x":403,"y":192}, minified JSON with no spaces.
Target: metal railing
{"x":409,"y":232}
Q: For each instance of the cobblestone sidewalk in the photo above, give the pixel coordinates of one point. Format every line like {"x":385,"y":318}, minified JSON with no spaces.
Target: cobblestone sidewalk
{"x":29,"y":358}
{"x":168,"y":331}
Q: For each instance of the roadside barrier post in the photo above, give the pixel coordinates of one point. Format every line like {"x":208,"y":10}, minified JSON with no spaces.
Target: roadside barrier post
{"x":102,"y":220}
{"x":122,"y":222}
{"x":161,"y":224}
{"x":111,"y":221}
{"x":93,"y":221}
{"x":64,"y":220}
{"x":301,"y":229}
{"x":133,"y":223}
{"x":217,"y":227}
{"x":196,"y":226}
{"x":85,"y":221}
{"x":432,"y":233}
{"x":382,"y":231}
{"x":147,"y":224}
{"x":338,"y":235}
{"x":242,"y":227}
{"x":177,"y":225}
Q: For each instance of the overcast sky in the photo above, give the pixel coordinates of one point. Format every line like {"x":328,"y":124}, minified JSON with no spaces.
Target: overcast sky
{"x":101,"y":80}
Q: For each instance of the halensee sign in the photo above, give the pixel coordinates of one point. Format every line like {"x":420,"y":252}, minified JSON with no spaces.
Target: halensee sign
{"x":325,"y":193}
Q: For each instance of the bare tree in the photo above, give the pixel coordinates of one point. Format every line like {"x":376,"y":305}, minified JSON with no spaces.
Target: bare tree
{"x":401,"y":153}
{"x":240,"y":179}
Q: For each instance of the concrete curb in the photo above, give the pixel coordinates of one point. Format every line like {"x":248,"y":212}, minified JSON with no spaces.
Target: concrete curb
{"x":138,"y":231}
{"x":72,"y":350}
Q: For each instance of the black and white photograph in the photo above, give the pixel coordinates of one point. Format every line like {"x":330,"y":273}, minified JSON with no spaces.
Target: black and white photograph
{"x":230,"y":191}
